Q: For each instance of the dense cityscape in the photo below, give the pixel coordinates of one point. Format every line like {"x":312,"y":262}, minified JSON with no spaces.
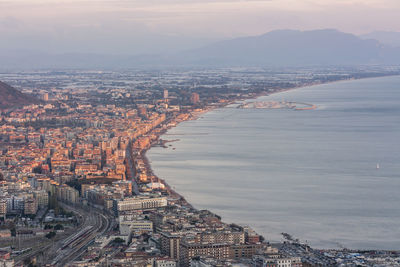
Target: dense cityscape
{"x":77,"y":189}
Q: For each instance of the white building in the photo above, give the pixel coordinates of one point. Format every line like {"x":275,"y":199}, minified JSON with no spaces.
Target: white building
{"x":135,"y":227}
{"x":139,"y":203}
{"x":164,"y":262}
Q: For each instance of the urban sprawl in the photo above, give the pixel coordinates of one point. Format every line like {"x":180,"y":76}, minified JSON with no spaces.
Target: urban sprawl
{"x":76,"y":188}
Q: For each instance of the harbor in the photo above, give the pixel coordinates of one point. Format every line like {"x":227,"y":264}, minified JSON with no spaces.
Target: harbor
{"x":277,"y":105}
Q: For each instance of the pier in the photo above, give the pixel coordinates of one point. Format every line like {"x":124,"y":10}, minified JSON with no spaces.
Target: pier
{"x":277,"y":105}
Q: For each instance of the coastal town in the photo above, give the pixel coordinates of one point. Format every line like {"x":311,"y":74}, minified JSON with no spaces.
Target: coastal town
{"x":76,"y":187}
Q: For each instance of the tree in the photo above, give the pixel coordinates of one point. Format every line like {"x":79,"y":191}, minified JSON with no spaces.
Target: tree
{"x":51,"y":235}
{"x":58,"y":227}
{"x":53,"y":204}
{"x":37,"y":169}
{"x":75,"y":184}
{"x":118,"y":240}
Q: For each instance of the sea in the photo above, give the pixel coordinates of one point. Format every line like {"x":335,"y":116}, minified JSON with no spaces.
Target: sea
{"x":329,"y":177}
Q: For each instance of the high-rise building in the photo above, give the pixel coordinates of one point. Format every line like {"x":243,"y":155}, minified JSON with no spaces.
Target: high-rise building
{"x":15,"y":204}
{"x":170,"y":243}
{"x":194,"y":98}
{"x":219,"y":237}
{"x":42,"y":198}
{"x":3,"y":207}
{"x":165,"y":94}
{"x":239,"y":251}
{"x":67,"y":194}
{"x":142,"y":111}
{"x":30,"y":206}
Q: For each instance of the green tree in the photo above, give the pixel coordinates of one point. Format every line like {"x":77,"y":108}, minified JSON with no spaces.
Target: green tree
{"x":118,"y":240}
{"x":37,"y":169}
{"x":53,"y":204}
{"x":58,"y":227}
{"x":75,"y":184}
{"x":51,"y":235}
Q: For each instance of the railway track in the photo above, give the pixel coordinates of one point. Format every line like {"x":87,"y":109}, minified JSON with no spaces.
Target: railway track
{"x":92,"y":224}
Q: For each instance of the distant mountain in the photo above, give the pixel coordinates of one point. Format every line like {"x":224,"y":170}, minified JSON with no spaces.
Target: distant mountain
{"x":277,"y":48}
{"x":294,"y":48}
{"x":384,"y":37}
{"x":16,"y":60}
{"x":11,"y":97}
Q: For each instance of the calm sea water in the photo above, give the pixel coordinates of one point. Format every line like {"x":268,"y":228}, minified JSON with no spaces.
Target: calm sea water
{"x":311,"y":173}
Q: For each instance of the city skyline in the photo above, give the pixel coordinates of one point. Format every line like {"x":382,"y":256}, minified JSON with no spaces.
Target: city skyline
{"x":185,"y":133}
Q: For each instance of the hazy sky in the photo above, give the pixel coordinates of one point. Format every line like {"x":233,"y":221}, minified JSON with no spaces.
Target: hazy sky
{"x":137,"y":26}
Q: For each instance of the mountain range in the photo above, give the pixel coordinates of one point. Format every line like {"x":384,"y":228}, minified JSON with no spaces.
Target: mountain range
{"x":11,"y":97}
{"x":295,"y":48}
{"x":384,"y":37}
{"x":276,"y":48}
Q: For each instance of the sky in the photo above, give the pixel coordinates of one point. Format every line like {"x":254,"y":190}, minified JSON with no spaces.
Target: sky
{"x":148,"y":26}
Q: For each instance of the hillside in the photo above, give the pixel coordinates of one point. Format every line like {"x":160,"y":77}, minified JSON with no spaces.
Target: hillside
{"x":294,"y":48}
{"x":384,"y":37}
{"x":281,"y":48}
{"x":11,"y":97}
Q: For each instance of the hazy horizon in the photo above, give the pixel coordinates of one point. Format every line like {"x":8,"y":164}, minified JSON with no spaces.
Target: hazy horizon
{"x":155,"y":26}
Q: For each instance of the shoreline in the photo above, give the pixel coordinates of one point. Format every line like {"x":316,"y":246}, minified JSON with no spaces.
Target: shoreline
{"x":194,"y":115}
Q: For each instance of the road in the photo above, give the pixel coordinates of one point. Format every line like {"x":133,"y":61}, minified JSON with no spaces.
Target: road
{"x":131,"y":171}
